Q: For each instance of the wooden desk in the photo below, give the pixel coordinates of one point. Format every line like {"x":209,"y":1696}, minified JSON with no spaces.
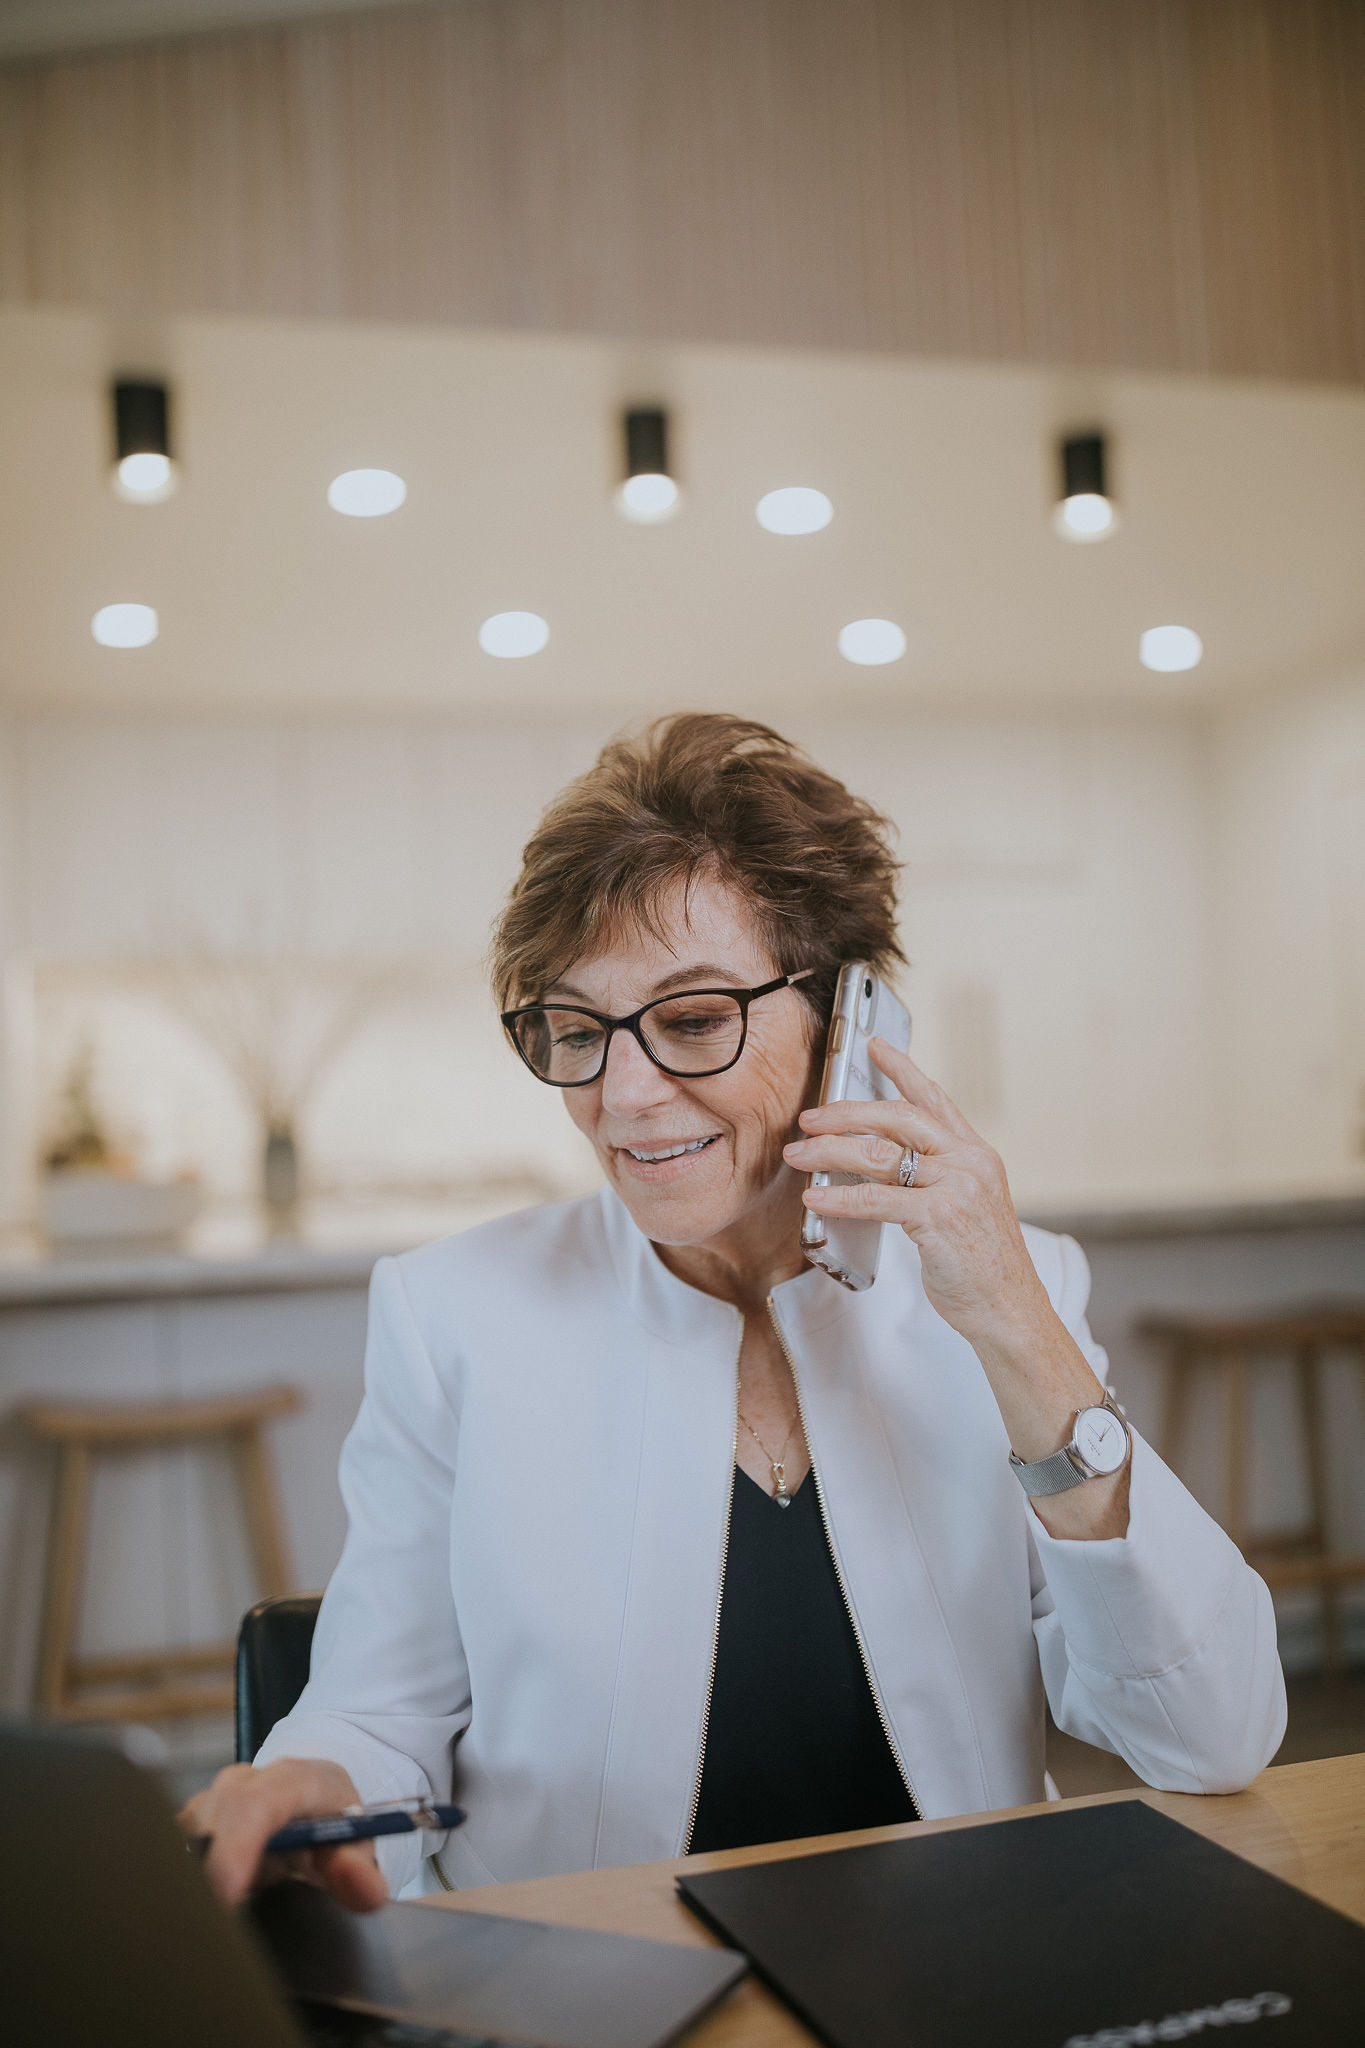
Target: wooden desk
{"x":1303,"y":1822}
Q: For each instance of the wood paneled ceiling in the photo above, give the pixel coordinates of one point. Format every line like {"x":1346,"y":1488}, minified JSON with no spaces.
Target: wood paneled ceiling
{"x":1139,"y":184}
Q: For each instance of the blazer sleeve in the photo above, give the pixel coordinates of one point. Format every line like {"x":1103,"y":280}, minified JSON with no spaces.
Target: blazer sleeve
{"x":389,"y":1687}
{"x":1158,"y":1645}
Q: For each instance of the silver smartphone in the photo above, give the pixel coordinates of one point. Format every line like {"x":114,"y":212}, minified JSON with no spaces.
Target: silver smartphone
{"x":864,"y":1008}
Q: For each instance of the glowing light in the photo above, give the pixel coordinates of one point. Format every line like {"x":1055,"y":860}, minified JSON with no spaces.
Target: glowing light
{"x":512,"y":635}
{"x":1085,"y":516}
{"x":648,"y":498}
{"x":366,"y":493}
{"x":795,"y":509}
{"x":870,"y":642}
{"x":144,"y":479}
{"x":125,"y":625}
{"x":1168,"y":649}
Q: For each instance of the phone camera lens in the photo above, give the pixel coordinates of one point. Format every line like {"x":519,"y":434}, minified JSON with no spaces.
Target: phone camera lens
{"x":867,"y":988}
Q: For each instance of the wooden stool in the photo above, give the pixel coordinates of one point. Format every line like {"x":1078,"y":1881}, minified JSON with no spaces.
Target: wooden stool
{"x":1285,"y":1557}
{"x":82,"y":1433}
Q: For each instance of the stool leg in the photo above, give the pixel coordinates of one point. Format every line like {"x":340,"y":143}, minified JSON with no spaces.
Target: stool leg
{"x":265,"y":1525}
{"x":1175,"y":1405}
{"x":1306,"y":1372}
{"x":64,"y":1575}
{"x":1235,"y":1380}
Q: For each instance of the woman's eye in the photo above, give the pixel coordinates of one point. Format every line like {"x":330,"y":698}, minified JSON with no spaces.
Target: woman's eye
{"x":698,"y":1024}
{"x":576,"y":1041}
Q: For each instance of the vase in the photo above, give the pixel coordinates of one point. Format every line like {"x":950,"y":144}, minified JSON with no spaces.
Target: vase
{"x":280,"y":1181}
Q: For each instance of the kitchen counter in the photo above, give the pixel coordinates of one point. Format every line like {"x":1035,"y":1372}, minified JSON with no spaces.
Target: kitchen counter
{"x":171,"y":1276}
{"x":228,"y":1251}
{"x":1099,"y":1224}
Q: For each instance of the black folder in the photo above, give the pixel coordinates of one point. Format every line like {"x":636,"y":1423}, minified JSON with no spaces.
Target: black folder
{"x":1097,"y":1927}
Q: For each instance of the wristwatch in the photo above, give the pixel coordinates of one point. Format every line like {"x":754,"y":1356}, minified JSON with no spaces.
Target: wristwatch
{"x":1100,"y":1446}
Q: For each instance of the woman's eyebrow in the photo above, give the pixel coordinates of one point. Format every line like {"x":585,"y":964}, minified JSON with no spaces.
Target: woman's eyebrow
{"x":696,"y":975}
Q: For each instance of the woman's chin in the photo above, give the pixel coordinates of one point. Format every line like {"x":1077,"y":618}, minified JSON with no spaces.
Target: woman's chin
{"x":677,"y":1210}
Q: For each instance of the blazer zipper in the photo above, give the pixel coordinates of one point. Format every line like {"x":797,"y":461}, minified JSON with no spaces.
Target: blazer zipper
{"x":715,"y":1627}
{"x":891,"y":1742}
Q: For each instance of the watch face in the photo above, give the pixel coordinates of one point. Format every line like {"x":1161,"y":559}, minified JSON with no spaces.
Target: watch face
{"x":1101,"y":1439}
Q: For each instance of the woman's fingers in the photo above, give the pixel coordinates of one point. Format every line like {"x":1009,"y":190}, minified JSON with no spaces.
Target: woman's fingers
{"x":869,"y":1201}
{"x":351,"y":1873}
{"x":240,"y":1812}
{"x":243,"y":1808}
{"x":917,"y":1088}
{"x":874,"y":1158}
{"x":905,"y":1123}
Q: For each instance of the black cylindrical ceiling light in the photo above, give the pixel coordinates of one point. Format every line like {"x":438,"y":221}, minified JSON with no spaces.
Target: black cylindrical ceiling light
{"x":144,"y":473}
{"x":1084,"y":511}
{"x":648,"y":493}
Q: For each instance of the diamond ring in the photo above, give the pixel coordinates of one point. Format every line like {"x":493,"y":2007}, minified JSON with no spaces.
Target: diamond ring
{"x":908,"y":1168}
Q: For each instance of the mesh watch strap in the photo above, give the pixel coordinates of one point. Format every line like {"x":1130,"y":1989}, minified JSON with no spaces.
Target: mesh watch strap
{"x":1053,"y":1474}
{"x":1064,"y":1469}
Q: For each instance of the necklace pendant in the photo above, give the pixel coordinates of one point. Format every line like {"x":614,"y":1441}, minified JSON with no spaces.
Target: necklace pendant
{"x":781,"y":1495}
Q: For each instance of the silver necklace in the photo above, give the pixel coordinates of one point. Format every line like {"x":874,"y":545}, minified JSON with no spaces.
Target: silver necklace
{"x":780,"y":1493}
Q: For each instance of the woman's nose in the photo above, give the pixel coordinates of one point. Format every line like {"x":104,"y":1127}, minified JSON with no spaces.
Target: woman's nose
{"x":630,"y":1080}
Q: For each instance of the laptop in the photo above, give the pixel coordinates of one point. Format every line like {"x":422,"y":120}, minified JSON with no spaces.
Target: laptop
{"x":110,"y":1937}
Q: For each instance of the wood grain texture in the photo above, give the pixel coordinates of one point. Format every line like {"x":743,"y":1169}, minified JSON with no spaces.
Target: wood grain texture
{"x":1302,"y":1822}
{"x":141,"y":1424}
{"x":1173,"y":185}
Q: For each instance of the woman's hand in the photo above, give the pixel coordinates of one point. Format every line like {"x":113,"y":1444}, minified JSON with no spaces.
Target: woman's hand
{"x":976,"y":1267}
{"x":244,"y":1806}
{"x":977,"y":1271}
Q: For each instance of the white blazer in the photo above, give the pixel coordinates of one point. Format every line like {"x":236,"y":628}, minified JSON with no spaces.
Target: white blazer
{"x":538,"y":1483}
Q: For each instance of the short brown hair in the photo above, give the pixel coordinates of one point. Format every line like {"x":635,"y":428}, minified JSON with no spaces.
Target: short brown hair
{"x":702,"y":793}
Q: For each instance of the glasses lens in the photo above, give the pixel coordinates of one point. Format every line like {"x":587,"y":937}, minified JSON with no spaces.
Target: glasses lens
{"x":694,"y":1034}
{"x":563,"y":1046}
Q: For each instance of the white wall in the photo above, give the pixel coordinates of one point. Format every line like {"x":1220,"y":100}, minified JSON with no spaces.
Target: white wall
{"x":1287,"y":786}
{"x":1056,"y":914}
{"x":1060,"y":864}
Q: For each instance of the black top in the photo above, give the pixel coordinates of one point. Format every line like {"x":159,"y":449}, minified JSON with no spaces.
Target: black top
{"x":794,"y":1744}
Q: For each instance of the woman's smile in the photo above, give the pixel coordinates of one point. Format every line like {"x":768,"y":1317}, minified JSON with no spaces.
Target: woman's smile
{"x":664,"y":1159}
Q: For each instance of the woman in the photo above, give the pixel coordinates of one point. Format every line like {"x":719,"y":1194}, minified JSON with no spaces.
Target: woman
{"x":659,"y":1538}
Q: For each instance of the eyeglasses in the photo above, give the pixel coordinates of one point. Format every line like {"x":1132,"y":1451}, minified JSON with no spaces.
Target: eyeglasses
{"x":697,"y":1032}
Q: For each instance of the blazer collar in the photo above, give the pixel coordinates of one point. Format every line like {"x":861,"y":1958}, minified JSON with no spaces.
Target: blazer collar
{"x":682,"y":1314}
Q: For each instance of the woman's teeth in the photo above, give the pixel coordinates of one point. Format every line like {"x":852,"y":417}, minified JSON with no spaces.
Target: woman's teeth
{"x":670,"y":1151}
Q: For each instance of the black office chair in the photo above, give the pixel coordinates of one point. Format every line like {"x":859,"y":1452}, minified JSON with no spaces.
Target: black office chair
{"x":274,"y":1645}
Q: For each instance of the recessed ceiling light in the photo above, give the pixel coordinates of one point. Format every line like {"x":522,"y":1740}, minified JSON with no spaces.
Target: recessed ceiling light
{"x":870,"y":642}
{"x":143,"y":471}
{"x":366,"y":493}
{"x":125,"y":625}
{"x":1167,"y":649}
{"x":795,"y":509}
{"x":1084,"y":510}
{"x":510,"y":635}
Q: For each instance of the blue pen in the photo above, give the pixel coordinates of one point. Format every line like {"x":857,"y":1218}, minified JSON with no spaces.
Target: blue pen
{"x":362,"y":1824}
